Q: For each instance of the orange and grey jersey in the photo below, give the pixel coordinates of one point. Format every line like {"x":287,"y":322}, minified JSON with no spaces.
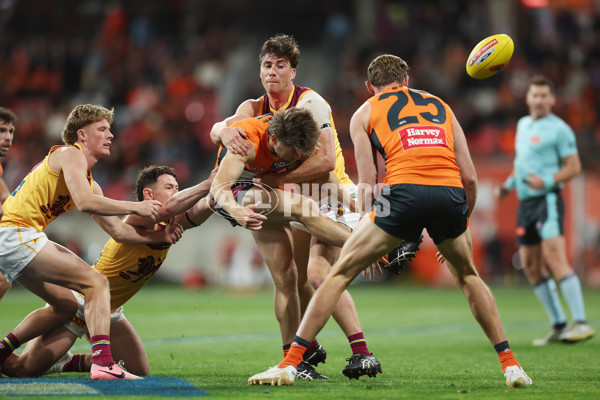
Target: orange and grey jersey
{"x":413,"y":131}
{"x":129,"y":267}
{"x":257,"y":134}
{"x":40,"y":198}
{"x":307,"y":98}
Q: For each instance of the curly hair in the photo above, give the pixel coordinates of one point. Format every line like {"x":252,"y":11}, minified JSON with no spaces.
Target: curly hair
{"x":81,"y":116}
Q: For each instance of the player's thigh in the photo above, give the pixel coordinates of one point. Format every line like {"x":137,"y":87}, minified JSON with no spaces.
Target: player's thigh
{"x":275,"y":245}
{"x":126,"y":345}
{"x":365,"y":245}
{"x":57,"y":296}
{"x":56,"y":264}
{"x":458,"y":252}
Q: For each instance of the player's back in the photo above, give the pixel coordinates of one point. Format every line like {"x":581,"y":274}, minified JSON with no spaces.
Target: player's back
{"x":413,"y":131}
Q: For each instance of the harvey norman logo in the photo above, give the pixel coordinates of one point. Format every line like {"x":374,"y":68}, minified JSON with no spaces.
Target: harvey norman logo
{"x":423,"y":136}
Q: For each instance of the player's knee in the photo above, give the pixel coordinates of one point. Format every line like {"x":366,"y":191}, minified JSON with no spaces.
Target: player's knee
{"x":316,"y":275}
{"x":307,"y":208}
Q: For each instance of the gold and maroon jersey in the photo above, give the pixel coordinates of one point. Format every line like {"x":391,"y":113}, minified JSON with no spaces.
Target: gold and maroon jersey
{"x":129,"y":267}
{"x":299,"y":96}
{"x":40,"y":198}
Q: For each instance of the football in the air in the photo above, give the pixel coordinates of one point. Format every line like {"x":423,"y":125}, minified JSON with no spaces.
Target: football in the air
{"x":490,"y":56}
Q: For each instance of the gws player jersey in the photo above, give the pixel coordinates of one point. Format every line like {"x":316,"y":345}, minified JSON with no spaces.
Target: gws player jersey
{"x":413,"y":132}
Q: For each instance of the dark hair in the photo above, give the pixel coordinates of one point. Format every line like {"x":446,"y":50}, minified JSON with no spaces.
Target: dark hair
{"x":541,"y":80}
{"x":386,"y":69}
{"x":148,"y":176}
{"x":296,"y":127}
{"x":7,"y":115}
{"x":83,"y":115}
{"x":283,"y":46}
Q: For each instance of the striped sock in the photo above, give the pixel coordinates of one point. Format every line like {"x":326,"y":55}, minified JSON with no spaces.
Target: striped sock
{"x":358,"y":343}
{"x":7,"y":346}
{"x":76,"y":364}
{"x":101,"y":354}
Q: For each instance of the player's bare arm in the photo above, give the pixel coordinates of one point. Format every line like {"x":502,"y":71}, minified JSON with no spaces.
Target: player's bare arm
{"x":468,"y":175}
{"x":124,"y":231}
{"x":230,"y":170}
{"x":234,"y":138}
{"x":365,"y":159}
{"x":72,"y":163}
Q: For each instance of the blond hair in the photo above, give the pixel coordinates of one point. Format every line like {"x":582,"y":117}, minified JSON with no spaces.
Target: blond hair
{"x":81,"y":116}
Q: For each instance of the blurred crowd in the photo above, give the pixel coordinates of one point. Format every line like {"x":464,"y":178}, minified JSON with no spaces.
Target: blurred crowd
{"x":172,"y":68}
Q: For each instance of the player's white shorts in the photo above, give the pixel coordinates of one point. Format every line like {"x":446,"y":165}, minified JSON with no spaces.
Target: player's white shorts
{"x":78,"y":326}
{"x":337,"y":212}
{"x":18,"y":246}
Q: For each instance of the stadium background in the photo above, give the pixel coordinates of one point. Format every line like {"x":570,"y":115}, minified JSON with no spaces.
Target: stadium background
{"x":172,"y":68}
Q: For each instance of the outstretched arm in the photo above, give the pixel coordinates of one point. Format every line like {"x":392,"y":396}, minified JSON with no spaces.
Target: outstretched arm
{"x":71,"y":162}
{"x":126,"y":232}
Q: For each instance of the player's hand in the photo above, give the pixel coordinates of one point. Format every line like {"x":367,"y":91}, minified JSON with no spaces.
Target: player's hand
{"x":249,"y":219}
{"x":173,"y":232}
{"x":370,"y":270}
{"x":235,"y":141}
{"x":501,"y":192}
{"x":534,"y":182}
{"x":148,"y":208}
{"x":440,"y":257}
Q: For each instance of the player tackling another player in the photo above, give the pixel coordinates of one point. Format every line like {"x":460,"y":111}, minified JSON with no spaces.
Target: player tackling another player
{"x":430,"y":184}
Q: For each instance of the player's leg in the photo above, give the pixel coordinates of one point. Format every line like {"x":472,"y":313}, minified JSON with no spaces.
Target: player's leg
{"x":345,"y":314}
{"x":127,"y":346}
{"x":295,"y":207}
{"x":301,"y":248}
{"x":4,"y":286}
{"x":274,"y":243}
{"x":58,"y":265}
{"x":458,"y":253}
{"x":365,"y":246}
{"x":40,"y":354}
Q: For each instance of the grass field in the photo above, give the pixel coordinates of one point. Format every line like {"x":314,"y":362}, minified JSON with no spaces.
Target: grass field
{"x":429,"y":345}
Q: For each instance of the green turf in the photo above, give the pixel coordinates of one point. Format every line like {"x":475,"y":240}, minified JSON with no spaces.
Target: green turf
{"x":426,"y":339}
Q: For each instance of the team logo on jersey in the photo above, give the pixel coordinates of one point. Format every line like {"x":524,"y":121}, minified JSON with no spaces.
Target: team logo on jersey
{"x":414,"y":137}
{"x":60,"y":206}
